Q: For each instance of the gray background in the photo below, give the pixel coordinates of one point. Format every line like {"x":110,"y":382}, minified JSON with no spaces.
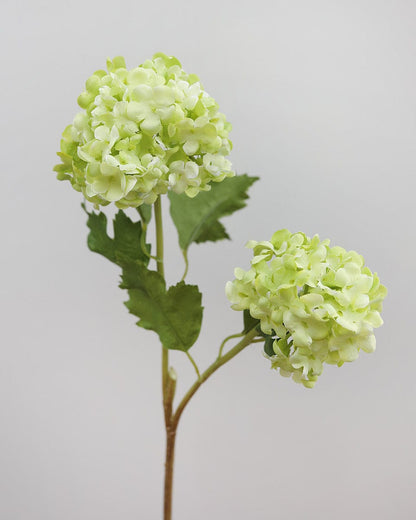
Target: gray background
{"x":321,"y":95}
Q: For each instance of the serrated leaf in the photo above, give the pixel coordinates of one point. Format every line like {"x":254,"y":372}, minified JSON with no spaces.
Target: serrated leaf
{"x":125,"y":246}
{"x":197,"y":219}
{"x":175,"y":315}
{"x":217,"y":229}
{"x":98,"y":239}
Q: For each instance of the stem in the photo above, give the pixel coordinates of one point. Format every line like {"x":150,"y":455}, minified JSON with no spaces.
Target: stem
{"x":232,"y":336}
{"x":248,"y":338}
{"x":170,"y":393}
{"x":169,"y":461}
{"x":169,"y":376}
{"x":159,"y":236}
{"x":172,"y":427}
{"x":170,"y":445}
{"x":143,"y":241}
{"x":161,"y":271}
{"x":185,"y":258}
{"x":168,"y":380}
{"x":192,"y":360}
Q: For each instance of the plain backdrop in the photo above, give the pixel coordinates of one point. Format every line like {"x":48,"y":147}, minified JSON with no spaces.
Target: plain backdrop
{"x":321,"y":95}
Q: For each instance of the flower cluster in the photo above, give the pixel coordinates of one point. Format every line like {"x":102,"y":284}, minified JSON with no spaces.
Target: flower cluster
{"x":320,"y":303}
{"x":144,"y":131}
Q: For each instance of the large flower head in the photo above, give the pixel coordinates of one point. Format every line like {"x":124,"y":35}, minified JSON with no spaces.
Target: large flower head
{"x":144,"y":131}
{"x":319,"y":303}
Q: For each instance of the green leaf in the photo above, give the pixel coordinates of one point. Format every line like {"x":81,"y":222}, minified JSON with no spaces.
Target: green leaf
{"x":249,"y":321}
{"x":268,"y":346}
{"x":217,"y":230}
{"x":145,"y":212}
{"x":125,"y":246}
{"x":175,"y":315}
{"x":197,"y":219}
{"x":98,"y":240}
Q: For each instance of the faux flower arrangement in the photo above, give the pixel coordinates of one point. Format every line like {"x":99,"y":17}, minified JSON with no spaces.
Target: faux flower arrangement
{"x":153,"y":131}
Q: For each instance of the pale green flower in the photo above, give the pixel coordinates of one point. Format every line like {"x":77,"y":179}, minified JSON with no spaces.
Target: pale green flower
{"x":144,"y":131}
{"x":320,"y":303}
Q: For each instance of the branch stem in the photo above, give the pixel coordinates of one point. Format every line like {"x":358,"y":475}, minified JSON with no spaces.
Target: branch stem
{"x":232,"y":336}
{"x":247,"y":339}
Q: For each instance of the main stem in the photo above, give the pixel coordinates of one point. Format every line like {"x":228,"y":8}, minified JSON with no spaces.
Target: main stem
{"x":169,"y":378}
{"x":168,"y":382}
{"x":169,"y":462}
{"x":174,"y":418}
{"x":161,"y":271}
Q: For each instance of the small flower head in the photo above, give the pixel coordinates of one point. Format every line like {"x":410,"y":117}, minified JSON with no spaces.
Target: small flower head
{"x":144,"y":131}
{"x":320,"y":303}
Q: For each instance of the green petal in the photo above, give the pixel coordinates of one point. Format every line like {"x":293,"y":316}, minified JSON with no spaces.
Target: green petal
{"x":151,"y":125}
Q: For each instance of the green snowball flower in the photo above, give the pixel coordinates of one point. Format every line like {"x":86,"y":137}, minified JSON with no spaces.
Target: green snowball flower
{"x":144,"y":131}
{"x":319,"y":303}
